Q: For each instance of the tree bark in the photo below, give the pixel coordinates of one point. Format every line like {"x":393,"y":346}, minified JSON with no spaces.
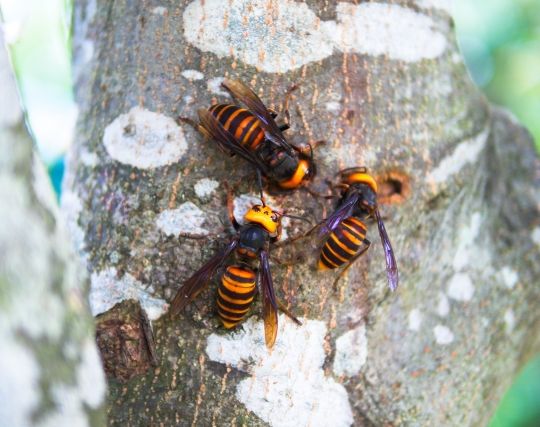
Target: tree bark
{"x":385,"y":86}
{"x":50,"y":371}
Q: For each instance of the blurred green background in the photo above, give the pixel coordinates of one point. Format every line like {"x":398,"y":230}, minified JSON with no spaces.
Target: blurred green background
{"x":500,"y":40}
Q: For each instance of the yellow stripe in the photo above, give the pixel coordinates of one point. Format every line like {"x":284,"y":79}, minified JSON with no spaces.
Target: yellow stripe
{"x":336,"y":255}
{"x":229,"y":325}
{"x":231,"y":118}
{"x":341,"y":245}
{"x":350,"y":236}
{"x":254,"y":126}
{"x":362,"y":178}
{"x":329,"y":261}
{"x":299,"y":174}
{"x":222,"y":111}
{"x":322,"y":266}
{"x":357,"y":222}
{"x":234,"y":301}
{"x":241,"y":127}
{"x":232,"y":310}
{"x":223,"y":316}
{"x":246,"y":274}
{"x":238,"y":289}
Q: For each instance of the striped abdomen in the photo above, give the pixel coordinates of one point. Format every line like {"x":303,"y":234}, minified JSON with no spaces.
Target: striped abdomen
{"x":342,"y":244}
{"x":235,"y":294}
{"x":245,"y":127}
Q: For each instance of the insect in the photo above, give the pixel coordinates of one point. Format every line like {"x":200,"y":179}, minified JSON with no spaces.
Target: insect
{"x":253,"y":135}
{"x":345,"y":229}
{"x":238,"y":281}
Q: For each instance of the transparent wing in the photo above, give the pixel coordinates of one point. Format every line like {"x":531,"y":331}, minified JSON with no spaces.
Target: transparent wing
{"x":196,"y":283}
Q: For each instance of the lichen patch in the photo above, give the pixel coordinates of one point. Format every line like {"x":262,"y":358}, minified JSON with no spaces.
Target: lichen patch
{"x":509,"y":276}
{"x":443,"y":306}
{"x":192,"y":75}
{"x":107,"y":290}
{"x":444,"y":5}
{"x":205,"y":187}
{"x":415,"y":319}
{"x":287,"y":386}
{"x":460,"y":287}
{"x":466,"y":152}
{"x":144,"y":139}
{"x":186,"y":219}
{"x":443,"y":335}
{"x":297,"y":36}
{"x":214,"y":86}
{"x":351,"y":352}
{"x":509,"y":320}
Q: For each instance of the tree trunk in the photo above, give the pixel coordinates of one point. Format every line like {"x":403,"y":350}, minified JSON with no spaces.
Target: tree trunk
{"x":50,"y":372}
{"x":385,"y":86}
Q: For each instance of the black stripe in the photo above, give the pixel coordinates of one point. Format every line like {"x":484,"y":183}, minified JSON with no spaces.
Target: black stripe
{"x":236,"y":295}
{"x":248,"y":127}
{"x":232,"y":305}
{"x":345,"y":240}
{"x":254,"y":135}
{"x":359,"y":229}
{"x":338,"y":250}
{"x":331,"y":256}
{"x":237,"y":121}
{"x":215,"y":109}
{"x":326,"y":262}
{"x":230,"y":275}
{"x":353,"y":231}
{"x":235,"y":316}
{"x":226,"y":114}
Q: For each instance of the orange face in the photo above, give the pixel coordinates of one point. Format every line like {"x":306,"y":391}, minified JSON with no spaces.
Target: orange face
{"x":361,"y":178}
{"x":263,"y":216}
{"x":302,"y":171}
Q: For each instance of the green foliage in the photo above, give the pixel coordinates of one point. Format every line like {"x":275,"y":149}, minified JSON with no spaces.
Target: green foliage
{"x":520,"y":407}
{"x":500,"y":40}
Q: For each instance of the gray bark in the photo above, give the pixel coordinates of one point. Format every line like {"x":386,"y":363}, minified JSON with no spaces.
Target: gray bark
{"x":50,"y":371}
{"x":385,"y":86}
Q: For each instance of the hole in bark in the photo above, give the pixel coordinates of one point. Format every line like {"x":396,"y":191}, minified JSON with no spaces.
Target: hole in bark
{"x":394,"y":187}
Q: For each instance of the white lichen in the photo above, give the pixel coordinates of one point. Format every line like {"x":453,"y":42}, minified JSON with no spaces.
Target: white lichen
{"x":278,"y":39}
{"x":107,"y":290}
{"x":387,"y":29}
{"x":415,"y":319}
{"x":159,"y":10}
{"x":192,"y":74}
{"x":351,"y":352}
{"x":333,"y":106}
{"x":466,"y":242}
{"x":509,"y":277}
{"x":287,"y":386}
{"x":465,"y":153}
{"x":509,"y":320}
{"x":460,"y":287}
{"x":90,"y":378}
{"x":214,"y":86}
{"x":10,"y":113}
{"x":144,"y":139}
{"x":535,"y":235}
{"x":186,"y":219}
{"x":443,"y":335}
{"x":70,"y":210}
{"x":443,"y":306}
{"x":205,"y":187}
{"x":444,"y":5}
{"x":19,"y":384}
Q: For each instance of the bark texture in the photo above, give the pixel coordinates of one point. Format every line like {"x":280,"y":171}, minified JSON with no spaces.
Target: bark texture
{"x":385,"y":86}
{"x":50,"y":371}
